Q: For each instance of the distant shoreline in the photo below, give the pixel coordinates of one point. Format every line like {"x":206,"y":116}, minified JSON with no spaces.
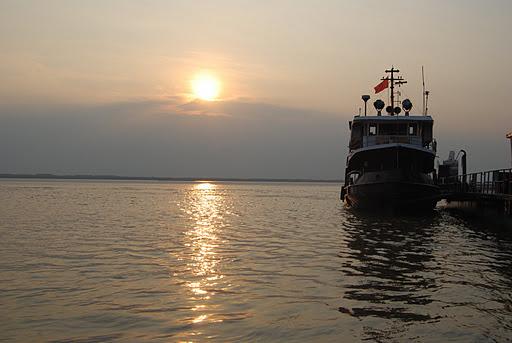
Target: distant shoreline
{"x":154,"y":178}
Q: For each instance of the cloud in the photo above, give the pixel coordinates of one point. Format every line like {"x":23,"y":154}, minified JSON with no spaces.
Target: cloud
{"x":167,"y":137}
{"x":173,"y":137}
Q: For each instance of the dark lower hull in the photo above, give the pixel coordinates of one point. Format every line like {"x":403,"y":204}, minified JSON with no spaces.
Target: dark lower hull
{"x":396,"y":196}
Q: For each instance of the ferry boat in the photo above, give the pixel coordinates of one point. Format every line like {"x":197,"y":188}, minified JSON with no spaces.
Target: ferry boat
{"x":391,"y":157}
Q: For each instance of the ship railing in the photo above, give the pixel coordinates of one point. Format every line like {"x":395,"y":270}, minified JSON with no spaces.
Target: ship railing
{"x":386,"y":139}
{"x":491,"y":182}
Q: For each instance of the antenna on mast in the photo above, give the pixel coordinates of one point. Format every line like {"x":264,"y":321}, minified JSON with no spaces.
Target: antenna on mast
{"x":425,"y":93}
{"x":394,"y":81}
{"x":423,"y":82}
{"x":426,"y":101}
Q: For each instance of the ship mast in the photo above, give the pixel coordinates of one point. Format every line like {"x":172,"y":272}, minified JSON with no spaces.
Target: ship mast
{"x":394,"y":80}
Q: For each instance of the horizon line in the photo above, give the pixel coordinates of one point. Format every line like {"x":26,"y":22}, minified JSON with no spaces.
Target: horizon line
{"x":158,"y":178}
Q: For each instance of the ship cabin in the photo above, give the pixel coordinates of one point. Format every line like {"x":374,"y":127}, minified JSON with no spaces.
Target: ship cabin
{"x":370,"y":131}
{"x":401,"y":143}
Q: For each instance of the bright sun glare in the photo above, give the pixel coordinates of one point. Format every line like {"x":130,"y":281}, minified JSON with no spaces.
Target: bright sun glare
{"x":206,"y":87}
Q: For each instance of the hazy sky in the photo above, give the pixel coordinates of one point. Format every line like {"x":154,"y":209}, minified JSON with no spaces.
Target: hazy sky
{"x":104,"y":87}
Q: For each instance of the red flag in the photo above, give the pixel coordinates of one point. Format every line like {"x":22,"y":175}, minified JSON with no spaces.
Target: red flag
{"x":381,"y":86}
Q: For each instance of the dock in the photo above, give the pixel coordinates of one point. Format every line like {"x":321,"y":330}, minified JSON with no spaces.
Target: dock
{"x":486,"y":189}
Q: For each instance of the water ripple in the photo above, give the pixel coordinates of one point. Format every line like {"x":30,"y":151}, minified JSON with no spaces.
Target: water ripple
{"x":121,"y":261}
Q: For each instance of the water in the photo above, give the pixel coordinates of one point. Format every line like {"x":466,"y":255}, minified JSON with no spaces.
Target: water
{"x":129,"y":261}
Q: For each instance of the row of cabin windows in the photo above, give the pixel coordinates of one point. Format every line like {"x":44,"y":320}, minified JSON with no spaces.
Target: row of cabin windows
{"x":393,"y":129}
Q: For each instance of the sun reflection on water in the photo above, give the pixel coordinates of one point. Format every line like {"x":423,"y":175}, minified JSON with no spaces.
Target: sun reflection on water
{"x":204,"y":207}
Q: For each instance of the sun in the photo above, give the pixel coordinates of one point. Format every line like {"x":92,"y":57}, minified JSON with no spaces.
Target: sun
{"x":206,"y":87}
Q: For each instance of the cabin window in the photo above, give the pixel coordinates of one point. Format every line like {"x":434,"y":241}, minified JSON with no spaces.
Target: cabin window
{"x":413,"y":130}
{"x":393,"y":129}
{"x":372,"y":130}
{"x":402,"y":129}
{"x":357,"y":136}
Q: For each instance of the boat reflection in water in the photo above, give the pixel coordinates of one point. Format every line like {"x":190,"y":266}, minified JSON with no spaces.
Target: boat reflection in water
{"x":386,"y":266}
{"x":412,"y":277}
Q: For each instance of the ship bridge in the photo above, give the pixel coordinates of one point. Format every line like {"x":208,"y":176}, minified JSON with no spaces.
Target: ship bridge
{"x":371,"y":131}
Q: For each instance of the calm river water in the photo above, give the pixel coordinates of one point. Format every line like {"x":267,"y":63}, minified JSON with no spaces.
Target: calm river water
{"x":133,"y":261}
